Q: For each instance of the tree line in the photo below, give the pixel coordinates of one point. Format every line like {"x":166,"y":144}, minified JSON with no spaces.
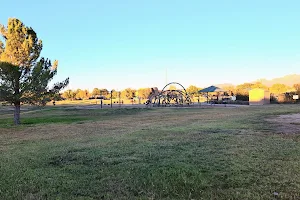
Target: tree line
{"x":241,"y":91}
{"x":98,"y":93}
{"x":128,"y":93}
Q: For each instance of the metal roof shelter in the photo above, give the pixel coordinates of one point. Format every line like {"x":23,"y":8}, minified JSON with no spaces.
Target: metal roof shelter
{"x":211,"y":89}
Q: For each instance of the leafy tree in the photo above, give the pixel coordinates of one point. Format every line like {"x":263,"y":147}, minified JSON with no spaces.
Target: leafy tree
{"x":243,"y":89}
{"x":259,"y":85}
{"x":115,"y":94}
{"x":96,"y":92}
{"x":82,"y":94}
{"x":69,"y":94}
{"x":297,"y":88}
{"x":278,"y":88}
{"x":79,"y":94}
{"x":192,"y":90}
{"x":144,"y":93}
{"x":104,"y":92}
{"x":230,"y":90}
{"x":128,"y":93}
{"x":24,"y":78}
{"x":87,"y":94}
{"x":108,"y":95}
{"x":1,"y":47}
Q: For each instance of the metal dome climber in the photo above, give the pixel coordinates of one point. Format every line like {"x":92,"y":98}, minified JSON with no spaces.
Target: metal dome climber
{"x":167,"y":98}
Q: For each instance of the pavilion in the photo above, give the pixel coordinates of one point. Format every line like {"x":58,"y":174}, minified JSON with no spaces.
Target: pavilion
{"x":211,"y":89}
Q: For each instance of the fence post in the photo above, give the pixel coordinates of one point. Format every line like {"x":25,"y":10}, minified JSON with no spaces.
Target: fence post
{"x":111,"y":99}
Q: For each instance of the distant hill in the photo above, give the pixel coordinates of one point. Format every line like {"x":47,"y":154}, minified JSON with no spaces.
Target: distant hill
{"x":289,"y":80}
{"x":225,"y":85}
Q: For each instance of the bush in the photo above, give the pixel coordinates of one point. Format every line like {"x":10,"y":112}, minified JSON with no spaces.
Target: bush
{"x":240,"y":97}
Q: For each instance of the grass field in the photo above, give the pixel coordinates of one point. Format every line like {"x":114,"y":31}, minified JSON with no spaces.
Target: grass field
{"x":167,"y":153}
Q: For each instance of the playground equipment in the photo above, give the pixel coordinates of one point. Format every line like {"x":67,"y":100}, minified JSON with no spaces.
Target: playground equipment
{"x":166,"y":98}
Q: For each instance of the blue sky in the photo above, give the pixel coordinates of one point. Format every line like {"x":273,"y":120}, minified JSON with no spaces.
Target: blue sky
{"x":131,"y":43}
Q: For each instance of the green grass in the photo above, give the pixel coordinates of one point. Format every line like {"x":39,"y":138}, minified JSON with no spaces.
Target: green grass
{"x":215,"y":153}
{"x":65,"y":115}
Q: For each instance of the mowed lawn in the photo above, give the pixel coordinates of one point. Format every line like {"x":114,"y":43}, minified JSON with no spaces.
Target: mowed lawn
{"x":166,"y":153}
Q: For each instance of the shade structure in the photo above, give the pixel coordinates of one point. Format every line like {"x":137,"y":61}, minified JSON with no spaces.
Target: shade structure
{"x":212,"y":89}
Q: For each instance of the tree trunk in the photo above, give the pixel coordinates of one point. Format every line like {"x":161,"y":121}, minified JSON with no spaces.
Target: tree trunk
{"x":17,"y":113}
{"x":17,"y":101}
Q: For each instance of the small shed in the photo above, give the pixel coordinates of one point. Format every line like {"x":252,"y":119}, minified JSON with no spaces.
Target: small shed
{"x":259,"y":96}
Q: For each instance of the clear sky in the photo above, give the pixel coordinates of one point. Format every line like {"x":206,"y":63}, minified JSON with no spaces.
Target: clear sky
{"x":131,"y":43}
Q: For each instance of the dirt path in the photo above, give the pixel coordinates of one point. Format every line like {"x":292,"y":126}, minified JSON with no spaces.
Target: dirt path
{"x":287,"y":124}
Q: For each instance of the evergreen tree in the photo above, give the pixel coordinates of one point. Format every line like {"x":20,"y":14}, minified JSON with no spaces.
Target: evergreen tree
{"x":24,"y":76}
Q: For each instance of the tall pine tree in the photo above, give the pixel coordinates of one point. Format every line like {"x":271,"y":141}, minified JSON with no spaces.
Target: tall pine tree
{"x":24,"y":76}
